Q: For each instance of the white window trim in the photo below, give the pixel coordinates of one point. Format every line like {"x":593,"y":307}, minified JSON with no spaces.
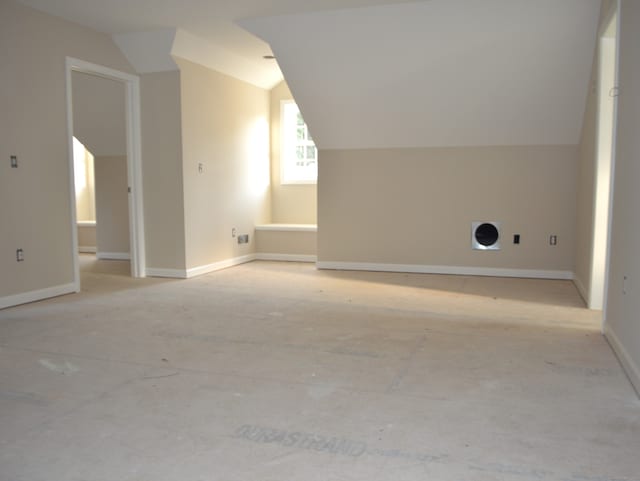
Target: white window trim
{"x":281,"y":153}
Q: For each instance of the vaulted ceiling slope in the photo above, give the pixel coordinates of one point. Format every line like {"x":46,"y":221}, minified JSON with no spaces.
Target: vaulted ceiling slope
{"x":149,"y":32}
{"x":440,"y":72}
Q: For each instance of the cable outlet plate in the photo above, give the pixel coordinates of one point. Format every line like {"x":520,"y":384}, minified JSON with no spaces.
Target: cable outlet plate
{"x":243,"y":239}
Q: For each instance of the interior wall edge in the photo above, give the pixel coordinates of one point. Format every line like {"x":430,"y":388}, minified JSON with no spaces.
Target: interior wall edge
{"x":631,"y":369}
{"x":582,"y":290}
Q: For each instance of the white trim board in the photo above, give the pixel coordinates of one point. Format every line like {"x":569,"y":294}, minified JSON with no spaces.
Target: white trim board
{"x":170,"y":273}
{"x":114,"y":256}
{"x":40,"y":294}
{"x":264,"y":256}
{"x":631,"y":369}
{"x":288,"y":227}
{"x":199,"y":270}
{"x":87,"y":249}
{"x":216,"y":266}
{"x":453,"y":270}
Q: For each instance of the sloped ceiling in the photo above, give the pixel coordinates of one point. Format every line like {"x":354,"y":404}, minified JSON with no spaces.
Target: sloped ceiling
{"x":439,"y":72}
{"x":203,"y":31}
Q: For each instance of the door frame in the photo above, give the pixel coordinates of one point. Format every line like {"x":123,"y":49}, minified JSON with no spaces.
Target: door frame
{"x":134,"y":162}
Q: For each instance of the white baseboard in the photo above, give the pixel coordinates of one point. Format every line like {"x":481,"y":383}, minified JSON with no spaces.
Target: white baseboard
{"x":581,"y":289}
{"x":32,"y":296}
{"x":628,"y":364}
{"x":262,"y":256}
{"x":288,"y":227}
{"x":216,"y":266}
{"x":455,"y":270}
{"x":87,"y":249}
{"x":172,"y":273}
{"x":114,"y":256}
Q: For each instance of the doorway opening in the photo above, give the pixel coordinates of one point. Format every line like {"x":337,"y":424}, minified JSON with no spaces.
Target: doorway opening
{"x":125,"y":167}
{"x":605,"y":156}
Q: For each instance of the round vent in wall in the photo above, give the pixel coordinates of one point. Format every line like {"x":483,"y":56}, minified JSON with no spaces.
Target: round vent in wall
{"x":485,"y":236}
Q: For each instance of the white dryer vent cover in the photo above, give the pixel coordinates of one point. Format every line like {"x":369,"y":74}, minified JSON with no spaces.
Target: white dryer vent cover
{"x":485,"y":235}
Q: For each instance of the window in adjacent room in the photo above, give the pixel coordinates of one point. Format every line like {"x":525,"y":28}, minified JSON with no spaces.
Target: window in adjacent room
{"x":298,"y":153}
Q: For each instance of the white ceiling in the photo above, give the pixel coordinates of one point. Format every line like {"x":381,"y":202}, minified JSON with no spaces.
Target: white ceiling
{"x":208,"y":29}
{"x":439,"y":73}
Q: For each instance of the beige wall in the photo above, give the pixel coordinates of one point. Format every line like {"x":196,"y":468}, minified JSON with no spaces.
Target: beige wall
{"x":415,"y":206}
{"x":87,"y":238}
{"x":112,"y":204}
{"x":286,"y":242}
{"x":162,"y":170}
{"x":225,"y":127}
{"x":99,"y":118}
{"x":290,"y":204}
{"x":33,"y":126}
{"x":623,"y":302}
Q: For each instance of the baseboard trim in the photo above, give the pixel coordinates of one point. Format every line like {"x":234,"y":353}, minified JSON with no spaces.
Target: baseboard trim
{"x":216,"y":266}
{"x":38,"y":295}
{"x":288,"y":227}
{"x":581,"y":289}
{"x":171,"y":273}
{"x":454,"y":270}
{"x":631,"y":369}
{"x":114,"y":256}
{"x":86,"y":223}
{"x":87,"y":249}
{"x":265,"y":256}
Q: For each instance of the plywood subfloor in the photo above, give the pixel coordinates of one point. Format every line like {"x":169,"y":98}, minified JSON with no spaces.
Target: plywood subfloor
{"x":278,"y":372}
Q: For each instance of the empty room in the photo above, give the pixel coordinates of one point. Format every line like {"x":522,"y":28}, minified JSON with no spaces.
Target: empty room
{"x":346,"y":240}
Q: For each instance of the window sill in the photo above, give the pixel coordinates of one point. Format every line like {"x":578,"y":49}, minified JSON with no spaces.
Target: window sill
{"x":299,"y":182}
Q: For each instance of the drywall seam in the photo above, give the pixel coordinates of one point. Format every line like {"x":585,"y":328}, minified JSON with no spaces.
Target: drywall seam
{"x":114,"y":256}
{"x":454,"y":270}
{"x":38,"y":295}
{"x":216,"y":266}
{"x":628,"y":365}
{"x":581,"y":289}
{"x":263,"y":256}
{"x":288,"y":227}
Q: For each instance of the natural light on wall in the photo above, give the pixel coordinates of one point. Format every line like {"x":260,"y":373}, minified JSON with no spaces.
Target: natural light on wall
{"x":299,"y":155}
{"x":84,"y":182}
{"x":257,"y":143}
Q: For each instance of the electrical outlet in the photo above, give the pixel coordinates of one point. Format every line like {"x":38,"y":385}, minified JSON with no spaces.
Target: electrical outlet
{"x":243,"y":239}
{"x":19,"y":255}
{"x":233,"y":232}
{"x":14,"y":161}
{"x":553,"y":240}
{"x":200,"y":168}
{"x":516,"y":238}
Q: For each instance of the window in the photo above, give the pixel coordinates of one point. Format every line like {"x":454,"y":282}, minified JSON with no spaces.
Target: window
{"x":298,"y":153}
